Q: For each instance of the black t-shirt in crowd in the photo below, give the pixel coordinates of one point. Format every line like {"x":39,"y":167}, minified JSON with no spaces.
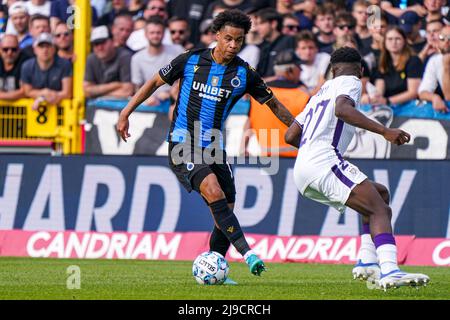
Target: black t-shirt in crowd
{"x":269,"y":51}
{"x":397,"y":81}
{"x":10,"y":80}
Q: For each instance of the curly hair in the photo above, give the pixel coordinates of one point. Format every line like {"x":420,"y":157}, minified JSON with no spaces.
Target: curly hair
{"x":345,"y":55}
{"x":233,"y":18}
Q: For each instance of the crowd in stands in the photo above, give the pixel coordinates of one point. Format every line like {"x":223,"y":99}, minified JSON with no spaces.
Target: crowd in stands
{"x":405,"y":45}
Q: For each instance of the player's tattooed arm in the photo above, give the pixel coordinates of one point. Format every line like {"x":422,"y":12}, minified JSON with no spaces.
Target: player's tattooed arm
{"x":141,"y":95}
{"x":293,"y":134}
{"x":280,"y":111}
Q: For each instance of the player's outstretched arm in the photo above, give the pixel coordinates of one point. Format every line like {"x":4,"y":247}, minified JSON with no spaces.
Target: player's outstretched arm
{"x":280,"y":111}
{"x":141,"y":95}
{"x":293,"y":134}
{"x":345,"y":110}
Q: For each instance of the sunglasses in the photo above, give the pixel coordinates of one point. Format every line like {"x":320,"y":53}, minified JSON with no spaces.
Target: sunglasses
{"x":177,"y":31}
{"x":157,"y":8}
{"x":12,"y":49}
{"x":443,"y":37}
{"x":293,"y":27}
{"x":348,"y":26}
{"x":59,"y":35}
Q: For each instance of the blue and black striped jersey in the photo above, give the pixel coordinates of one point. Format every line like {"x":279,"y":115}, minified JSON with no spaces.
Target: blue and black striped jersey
{"x":208,"y":92}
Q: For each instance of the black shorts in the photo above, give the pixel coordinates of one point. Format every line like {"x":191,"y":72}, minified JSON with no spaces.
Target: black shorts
{"x":193,"y":167}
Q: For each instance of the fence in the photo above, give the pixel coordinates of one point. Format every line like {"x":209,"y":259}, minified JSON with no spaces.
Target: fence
{"x":59,"y":125}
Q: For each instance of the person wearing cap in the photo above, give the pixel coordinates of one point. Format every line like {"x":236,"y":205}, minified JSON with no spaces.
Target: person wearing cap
{"x":291,"y":92}
{"x":148,"y":61}
{"x":107,"y":68}
{"x":11,"y":60}
{"x":46,"y":77}
{"x":435,"y":84}
{"x":397,"y":77}
{"x":411,"y":23}
{"x":19,"y":18}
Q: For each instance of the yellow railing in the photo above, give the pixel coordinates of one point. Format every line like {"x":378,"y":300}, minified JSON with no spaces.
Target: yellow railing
{"x":60,"y":124}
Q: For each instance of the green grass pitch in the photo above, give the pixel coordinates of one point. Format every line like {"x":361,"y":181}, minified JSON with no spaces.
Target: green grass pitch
{"x":31,"y":278}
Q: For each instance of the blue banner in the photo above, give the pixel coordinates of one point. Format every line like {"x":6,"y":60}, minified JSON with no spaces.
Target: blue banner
{"x":123,"y":193}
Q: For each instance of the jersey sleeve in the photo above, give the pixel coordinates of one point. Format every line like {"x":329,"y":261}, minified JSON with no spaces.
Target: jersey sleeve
{"x":350,"y":87}
{"x":174,"y":70}
{"x":257,"y":88}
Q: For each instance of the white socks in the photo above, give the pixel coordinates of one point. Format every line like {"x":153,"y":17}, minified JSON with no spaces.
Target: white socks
{"x":367,"y":252}
{"x":387,"y":256}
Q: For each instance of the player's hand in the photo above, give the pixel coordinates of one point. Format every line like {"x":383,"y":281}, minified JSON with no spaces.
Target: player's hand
{"x":396,"y":136}
{"x":439,"y":104}
{"x":122,"y":127}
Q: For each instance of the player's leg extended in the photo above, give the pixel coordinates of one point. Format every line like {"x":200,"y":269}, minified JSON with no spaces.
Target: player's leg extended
{"x":365,"y":199}
{"x":367,"y":267}
{"x":227,"y":221}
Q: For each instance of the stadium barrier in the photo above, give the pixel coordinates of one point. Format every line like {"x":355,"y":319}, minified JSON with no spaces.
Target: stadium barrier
{"x":188,"y":245}
{"x":149,"y":127}
{"x":59,"y":125}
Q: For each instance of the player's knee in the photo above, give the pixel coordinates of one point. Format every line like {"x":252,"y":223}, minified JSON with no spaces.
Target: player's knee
{"x":384,"y":193}
{"x":214,"y":193}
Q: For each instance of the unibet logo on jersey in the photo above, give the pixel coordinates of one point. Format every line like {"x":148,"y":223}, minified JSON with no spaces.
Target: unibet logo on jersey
{"x":213,"y":93}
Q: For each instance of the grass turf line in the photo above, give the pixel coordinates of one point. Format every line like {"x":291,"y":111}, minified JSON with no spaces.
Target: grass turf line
{"x":33,"y":278}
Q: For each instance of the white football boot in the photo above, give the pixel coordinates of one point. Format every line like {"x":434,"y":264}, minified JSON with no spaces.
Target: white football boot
{"x":398,"y":278}
{"x":366,"y":271}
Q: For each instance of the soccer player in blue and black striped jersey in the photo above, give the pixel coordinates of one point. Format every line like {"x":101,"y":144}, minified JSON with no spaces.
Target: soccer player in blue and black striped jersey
{"x":211,"y":82}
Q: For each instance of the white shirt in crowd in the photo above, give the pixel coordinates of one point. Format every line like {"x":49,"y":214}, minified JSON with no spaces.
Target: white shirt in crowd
{"x":311,"y":73}
{"x":144,"y":66}
{"x":433,"y":74}
{"x":138,"y":41}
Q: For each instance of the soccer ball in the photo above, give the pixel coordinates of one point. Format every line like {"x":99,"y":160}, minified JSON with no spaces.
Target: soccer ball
{"x":210,"y":268}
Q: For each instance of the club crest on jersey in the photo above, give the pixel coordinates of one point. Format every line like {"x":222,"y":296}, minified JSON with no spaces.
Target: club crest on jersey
{"x":189,"y":166}
{"x":235,"y":82}
{"x":215,"y":81}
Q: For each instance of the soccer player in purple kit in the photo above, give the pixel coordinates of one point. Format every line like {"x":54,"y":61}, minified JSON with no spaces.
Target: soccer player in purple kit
{"x":322,"y":132}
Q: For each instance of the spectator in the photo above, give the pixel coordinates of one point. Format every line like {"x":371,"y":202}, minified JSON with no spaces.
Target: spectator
{"x":253,"y":37}
{"x":345,"y":25}
{"x":63,"y":37}
{"x":433,"y":9}
{"x":63,"y":11}
{"x":433,"y":29}
{"x":207,"y":36}
{"x":139,"y":24}
{"x":324,"y":21}
{"x":107,"y":68}
{"x":117,"y":7}
{"x":399,"y":71}
{"x":20,"y":18}
{"x":180,"y":32}
{"x":137,"y":40}
{"x":38,"y":24}
{"x":314,"y":63}
{"x":291,"y":26}
{"x":147,"y":62}
{"x":193,"y":11}
{"x":290,"y":91}
{"x":46,"y":77}
{"x":285,"y":7}
{"x":136,"y":9}
{"x":435,"y":85}
{"x":269,"y":25}
{"x":377,"y":31}
{"x":362,"y":34}
{"x":227,"y":5}
{"x":38,"y":7}
{"x":410,"y":23}
{"x":305,"y":13}
{"x":121,"y":30}
{"x":397,"y":11}
{"x":10,"y":66}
